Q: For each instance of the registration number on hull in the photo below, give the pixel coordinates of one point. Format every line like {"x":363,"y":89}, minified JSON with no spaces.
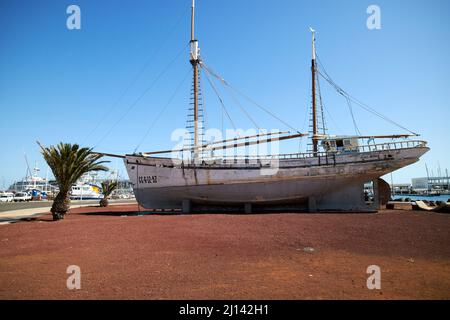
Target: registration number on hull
{"x":148,"y":179}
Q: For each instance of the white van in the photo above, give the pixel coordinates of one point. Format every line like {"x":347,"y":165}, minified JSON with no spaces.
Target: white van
{"x":22,"y":196}
{"x":6,"y":197}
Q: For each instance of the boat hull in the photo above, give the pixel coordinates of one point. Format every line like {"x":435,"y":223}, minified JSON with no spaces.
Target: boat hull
{"x":334,"y":183}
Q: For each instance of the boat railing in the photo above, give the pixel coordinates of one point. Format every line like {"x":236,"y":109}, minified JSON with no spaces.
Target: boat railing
{"x":391,"y":146}
{"x":306,"y":155}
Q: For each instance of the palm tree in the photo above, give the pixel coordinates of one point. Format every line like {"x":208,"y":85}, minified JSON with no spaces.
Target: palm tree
{"x":69,"y":163}
{"x":107,"y":188}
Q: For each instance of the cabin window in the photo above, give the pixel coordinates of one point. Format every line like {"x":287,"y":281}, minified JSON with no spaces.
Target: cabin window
{"x":347,"y":143}
{"x":339,"y":143}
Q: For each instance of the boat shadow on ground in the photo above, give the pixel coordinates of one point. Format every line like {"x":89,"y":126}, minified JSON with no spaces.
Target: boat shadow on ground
{"x":179,"y":213}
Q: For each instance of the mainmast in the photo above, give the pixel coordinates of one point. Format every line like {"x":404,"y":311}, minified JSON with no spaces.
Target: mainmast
{"x":314,"y":107}
{"x":194,"y":59}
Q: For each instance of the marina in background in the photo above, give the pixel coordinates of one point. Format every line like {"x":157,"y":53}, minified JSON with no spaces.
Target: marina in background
{"x":87,"y":188}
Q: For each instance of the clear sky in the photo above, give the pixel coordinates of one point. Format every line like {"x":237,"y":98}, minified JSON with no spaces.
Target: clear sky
{"x":67,"y":85}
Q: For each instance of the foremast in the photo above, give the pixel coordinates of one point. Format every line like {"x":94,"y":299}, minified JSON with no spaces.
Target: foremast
{"x":195,"y":61}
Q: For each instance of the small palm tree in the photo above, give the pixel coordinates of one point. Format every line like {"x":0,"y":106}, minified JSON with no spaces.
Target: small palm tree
{"x":107,"y":188}
{"x":69,"y":163}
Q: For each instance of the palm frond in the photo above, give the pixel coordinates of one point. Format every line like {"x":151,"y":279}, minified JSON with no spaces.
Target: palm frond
{"x":69,"y":163}
{"x":108,"y":187}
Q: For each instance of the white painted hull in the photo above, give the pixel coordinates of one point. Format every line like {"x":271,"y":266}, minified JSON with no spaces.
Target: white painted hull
{"x":158,"y":183}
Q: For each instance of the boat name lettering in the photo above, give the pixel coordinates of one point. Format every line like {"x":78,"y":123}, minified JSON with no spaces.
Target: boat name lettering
{"x":148,"y":179}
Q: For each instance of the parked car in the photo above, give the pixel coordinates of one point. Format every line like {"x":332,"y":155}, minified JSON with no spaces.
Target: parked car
{"x":6,"y":197}
{"x":22,"y":196}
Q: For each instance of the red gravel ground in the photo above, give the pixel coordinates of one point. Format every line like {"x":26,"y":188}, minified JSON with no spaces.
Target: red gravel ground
{"x":227,"y":256}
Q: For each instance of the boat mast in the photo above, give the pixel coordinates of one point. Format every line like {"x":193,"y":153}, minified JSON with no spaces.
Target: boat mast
{"x":194,"y":60}
{"x":314,"y":107}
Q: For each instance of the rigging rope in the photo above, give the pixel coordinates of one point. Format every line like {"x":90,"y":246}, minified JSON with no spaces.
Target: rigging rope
{"x":305,"y":119}
{"x":225,"y":83}
{"x":142,"y":95}
{"x":162,"y":110}
{"x":257,"y":127}
{"x":349,"y":104}
{"x":202,"y":100}
{"x":321,"y":106}
{"x":137,"y":76}
{"x":220,"y":99}
{"x":326,"y":110}
{"x":334,"y":122}
{"x":346,"y":95}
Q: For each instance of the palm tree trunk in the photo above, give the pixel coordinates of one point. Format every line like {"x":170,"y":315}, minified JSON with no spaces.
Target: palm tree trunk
{"x":104,"y":202}
{"x":60,"y":206}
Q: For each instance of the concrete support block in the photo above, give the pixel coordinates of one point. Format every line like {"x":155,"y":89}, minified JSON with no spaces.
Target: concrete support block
{"x":376,"y":195}
{"x":187,"y":206}
{"x":312,"y":205}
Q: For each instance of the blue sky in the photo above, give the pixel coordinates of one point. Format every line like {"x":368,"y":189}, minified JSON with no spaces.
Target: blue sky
{"x":59,"y":85}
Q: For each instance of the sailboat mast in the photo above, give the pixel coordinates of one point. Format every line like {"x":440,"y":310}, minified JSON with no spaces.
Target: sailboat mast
{"x":314,"y":107}
{"x":192,"y":20}
{"x":194,"y":59}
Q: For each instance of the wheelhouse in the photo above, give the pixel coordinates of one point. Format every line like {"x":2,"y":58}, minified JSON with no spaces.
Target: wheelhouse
{"x":340,"y":144}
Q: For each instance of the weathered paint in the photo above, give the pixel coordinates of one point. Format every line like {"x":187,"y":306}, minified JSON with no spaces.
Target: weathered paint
{"x":335,"y":182}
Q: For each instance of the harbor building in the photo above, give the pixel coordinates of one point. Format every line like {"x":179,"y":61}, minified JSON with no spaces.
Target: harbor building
{"x":431,"y":184}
